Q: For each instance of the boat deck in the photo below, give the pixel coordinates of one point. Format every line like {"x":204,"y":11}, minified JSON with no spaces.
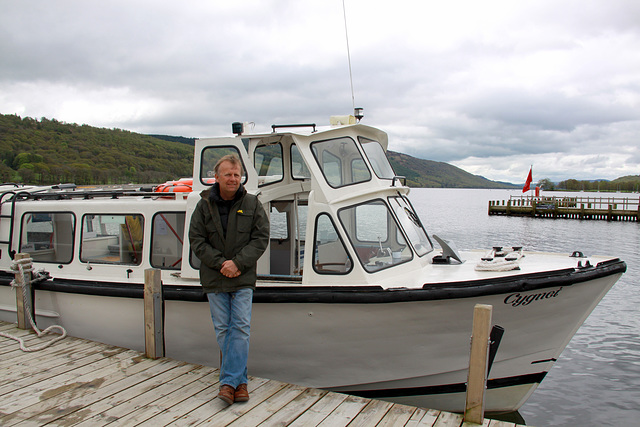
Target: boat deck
{"x":80,"y":382}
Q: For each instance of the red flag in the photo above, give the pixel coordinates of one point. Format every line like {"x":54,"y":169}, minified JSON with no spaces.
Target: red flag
{"x":527,"y":184}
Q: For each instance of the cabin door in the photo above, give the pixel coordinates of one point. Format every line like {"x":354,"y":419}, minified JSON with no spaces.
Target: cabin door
{"x":288,"y":225}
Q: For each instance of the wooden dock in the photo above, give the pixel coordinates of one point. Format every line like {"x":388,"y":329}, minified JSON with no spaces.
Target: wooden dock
{"x":585,"y":208}
{"x":79,"y":382}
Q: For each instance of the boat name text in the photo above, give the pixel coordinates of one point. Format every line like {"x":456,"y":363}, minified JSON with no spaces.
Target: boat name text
{"x":518,"y":300}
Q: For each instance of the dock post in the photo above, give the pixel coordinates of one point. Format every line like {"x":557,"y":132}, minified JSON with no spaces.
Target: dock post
{"x":24,"y":294}
{"x":478,"y":363}
{"x":153,"y":314}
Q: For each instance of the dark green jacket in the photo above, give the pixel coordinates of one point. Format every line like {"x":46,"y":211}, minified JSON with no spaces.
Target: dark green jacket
{"x":246,"y":240}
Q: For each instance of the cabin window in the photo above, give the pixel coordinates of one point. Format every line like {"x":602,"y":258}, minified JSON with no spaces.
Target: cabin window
{"x":378,"y":159}
{"x":411,"y":224}
{"x":329,"y":253}
{"x":210,"y":156}
{"x":268,"y":163}
{"x":299,"y":168}
{"x":331,"y":167}
{"x":340,"y":161}
{"x":48,"y":236}
{"x":375,"y":235}
{"x":166,"y":240}
{"x":112,"y":239}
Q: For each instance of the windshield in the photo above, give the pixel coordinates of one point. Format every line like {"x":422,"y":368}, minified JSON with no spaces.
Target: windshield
{"x":375,"y":235}
{"x":378,"y":159}
{"x":411,"y":224}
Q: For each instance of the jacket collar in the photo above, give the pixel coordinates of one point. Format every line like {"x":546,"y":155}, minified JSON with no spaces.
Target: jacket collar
{"x":213,"y":193}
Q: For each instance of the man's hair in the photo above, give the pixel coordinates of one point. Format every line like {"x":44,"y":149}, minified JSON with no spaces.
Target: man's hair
{"x":231,"y":158}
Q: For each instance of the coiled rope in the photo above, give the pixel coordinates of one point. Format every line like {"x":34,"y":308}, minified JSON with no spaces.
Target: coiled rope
{"x":20,"y":267}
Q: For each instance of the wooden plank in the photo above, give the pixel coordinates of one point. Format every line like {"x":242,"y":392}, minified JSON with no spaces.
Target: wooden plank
{"x":398,"y":415}
{"x":80,"y":394}
{"x":478,"y":363}
{"x":125,"y":401}
{"x":11,"y":349}
{"x":415,"y":418}
{"x":497,"y":423}
{"x":22,"y":375}
{"x":268,"y":407}
{"x":61,"y":348}
{"x":186,"y":407}
{"x":212,"y":405}
{"x":287,"y":414}
{"x":235,"y":411}
{"x":319,"y":411}
{"x":371,"y":414}
{"x":79,"y":383}
{"x":161,"y":408}
{"x":33,"y":393}
{"x":485,"y":423}
{"x":448,"y":419}
{"x":429,"y":418}
{"x":345,"y":412}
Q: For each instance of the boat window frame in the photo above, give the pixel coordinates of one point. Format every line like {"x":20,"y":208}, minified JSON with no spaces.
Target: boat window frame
{"x":179,"y":236}
{"x":73,"y":235}
{"x":391,"y":215}
{"x":373,"y":165}
{"x":341,"y":160}
{"x":103,"y":262}
{"x":314,"y":257}
{"x":411,"y":243}
{"x":209,"y":180}
{"x":304,"y":164}
{"x":255,"y":152}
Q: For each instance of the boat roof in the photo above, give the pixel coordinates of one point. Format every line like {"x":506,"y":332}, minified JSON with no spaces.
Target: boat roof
{"x":311,"y":130}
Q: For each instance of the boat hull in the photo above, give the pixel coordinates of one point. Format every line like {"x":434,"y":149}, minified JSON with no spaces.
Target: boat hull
{"x":409,"y":346}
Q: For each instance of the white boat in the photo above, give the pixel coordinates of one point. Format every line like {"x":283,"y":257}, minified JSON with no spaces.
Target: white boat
{"x":352,"y":294}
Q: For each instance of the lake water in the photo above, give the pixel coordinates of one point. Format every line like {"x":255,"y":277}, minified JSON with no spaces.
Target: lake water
{"x":596,"y":381}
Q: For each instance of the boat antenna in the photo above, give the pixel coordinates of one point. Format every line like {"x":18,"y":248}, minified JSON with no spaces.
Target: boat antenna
{"x":357,"y":112}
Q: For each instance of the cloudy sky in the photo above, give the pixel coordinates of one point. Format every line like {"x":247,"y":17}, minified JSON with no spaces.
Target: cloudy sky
{"x":490,"y":86}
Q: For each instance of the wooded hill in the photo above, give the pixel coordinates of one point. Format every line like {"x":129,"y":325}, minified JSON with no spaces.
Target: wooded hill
{"x":47,"y":151}
{"x":51,"y":152}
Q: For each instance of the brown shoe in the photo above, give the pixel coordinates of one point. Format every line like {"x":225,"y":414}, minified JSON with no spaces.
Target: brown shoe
{"x":242,"y":394}
{"x":226,"y":393}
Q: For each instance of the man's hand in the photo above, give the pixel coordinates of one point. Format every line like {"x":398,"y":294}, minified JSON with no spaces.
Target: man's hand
{"x":229,"y":269}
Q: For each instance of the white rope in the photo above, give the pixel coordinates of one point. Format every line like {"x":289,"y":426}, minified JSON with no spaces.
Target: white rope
{"x":496,"y":260}
{"x":21,"y":267}
{"x":497,"y":265}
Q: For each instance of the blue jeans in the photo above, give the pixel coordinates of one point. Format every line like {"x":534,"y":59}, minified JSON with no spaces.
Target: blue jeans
{"x":231,"y":314}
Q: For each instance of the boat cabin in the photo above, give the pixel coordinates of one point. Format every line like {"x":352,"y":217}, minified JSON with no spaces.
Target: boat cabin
{"x":331,"y":195}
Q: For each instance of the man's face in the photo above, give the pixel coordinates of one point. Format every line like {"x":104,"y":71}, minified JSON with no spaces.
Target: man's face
{"x":228,"y":177}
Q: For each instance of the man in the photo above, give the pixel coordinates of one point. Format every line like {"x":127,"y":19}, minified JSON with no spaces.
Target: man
{"x":229,"y":231}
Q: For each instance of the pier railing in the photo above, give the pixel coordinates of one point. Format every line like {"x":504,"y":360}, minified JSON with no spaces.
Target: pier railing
{"x":575,"y":207}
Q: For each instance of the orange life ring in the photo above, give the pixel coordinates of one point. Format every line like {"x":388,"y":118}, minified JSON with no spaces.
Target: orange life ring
{"x":180,"y":186}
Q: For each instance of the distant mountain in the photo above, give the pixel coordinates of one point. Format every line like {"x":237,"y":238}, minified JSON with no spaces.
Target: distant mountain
{"x":428,"y":173}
